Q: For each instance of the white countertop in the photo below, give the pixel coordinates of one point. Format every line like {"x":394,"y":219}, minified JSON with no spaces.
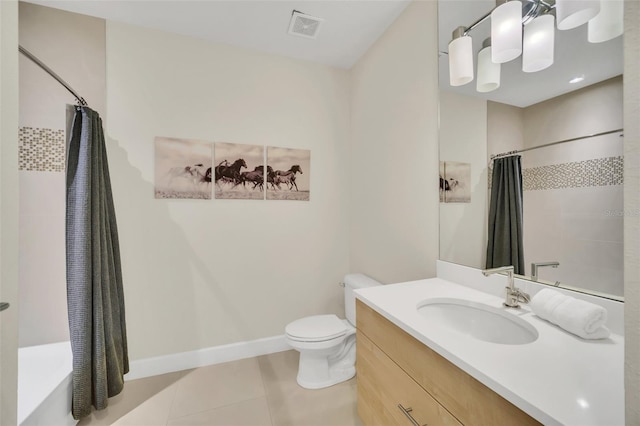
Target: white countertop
{"x":559,"y":379}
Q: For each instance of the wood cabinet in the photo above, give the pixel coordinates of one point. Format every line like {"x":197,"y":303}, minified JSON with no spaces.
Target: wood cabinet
{"x":394,"y":370}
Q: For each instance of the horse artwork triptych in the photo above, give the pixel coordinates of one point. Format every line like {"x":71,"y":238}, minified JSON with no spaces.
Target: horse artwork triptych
{"x":187,"y":169}
{"x":238,"y":171}
{"x":288,"y":167}
{"x":183,"y":168}
{"x":455,"y":182}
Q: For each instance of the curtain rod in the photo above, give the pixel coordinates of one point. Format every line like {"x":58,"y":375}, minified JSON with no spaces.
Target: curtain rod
{"x":506,"y":154}
{"x":49,"y":71}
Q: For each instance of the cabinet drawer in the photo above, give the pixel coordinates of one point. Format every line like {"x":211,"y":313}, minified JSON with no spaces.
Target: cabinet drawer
{"x":468,"y":400}
{"x":382,"y":386}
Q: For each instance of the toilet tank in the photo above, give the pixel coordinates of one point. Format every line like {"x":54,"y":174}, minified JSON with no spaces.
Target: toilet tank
{"x":354,"y":282}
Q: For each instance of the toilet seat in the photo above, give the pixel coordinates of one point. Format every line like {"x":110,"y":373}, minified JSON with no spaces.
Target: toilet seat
{"x":316,"y":328}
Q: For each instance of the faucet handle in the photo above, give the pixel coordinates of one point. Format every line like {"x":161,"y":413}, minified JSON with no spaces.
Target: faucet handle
{"x":525,"y":298}
{"x":522,"y":296}
{"x":514,"y":297}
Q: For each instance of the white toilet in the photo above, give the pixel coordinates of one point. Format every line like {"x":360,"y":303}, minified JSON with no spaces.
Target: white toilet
{"x":327,"y":343}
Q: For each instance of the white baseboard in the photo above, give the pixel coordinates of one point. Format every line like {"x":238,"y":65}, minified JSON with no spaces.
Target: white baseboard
{"x":202,"y":357}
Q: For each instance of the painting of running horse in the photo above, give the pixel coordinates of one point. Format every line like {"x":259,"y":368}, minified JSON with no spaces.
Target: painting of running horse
{"x":196,"y":169}
{"x":183,"y":168}
{"x":455,"y":182}
{"x":239,"y":171}
{"x":289,"y":174}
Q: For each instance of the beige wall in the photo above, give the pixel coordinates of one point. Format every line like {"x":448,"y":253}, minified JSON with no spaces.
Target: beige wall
{"x":489,"y":128}
{"x":9,"y":210}
{"x":205,"y":273}
{"x":593,"y":109}
{"x":394,"y":151}
{"x":463,"y":226}
{"x":632,"y":207}
{"x":73,"y":46}
{"x":581,"y":227}
{"x":226,"y":270}
{"x":505,"y":128}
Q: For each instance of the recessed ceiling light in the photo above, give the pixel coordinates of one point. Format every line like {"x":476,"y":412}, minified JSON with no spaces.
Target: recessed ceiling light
{"x":576,"y":79}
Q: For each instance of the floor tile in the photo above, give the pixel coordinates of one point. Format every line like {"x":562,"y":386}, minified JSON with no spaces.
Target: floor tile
{"x":254,"y":412}
{"x":216,"y":386}
{"x":134,"y":394}
{"x":291,"y":404}
{"x":332,"y":406}
{"x":154,"y":411}
{"x":279,"y":371}
{"x":259,"y":391}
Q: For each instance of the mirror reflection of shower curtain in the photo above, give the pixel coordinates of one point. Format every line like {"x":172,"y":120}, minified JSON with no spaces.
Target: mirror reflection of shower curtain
{"x":94,"y":276}
{"x":505,"y":245}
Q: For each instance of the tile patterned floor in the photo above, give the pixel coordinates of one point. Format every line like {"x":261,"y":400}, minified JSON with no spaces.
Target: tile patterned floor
{"x":254,"y":391}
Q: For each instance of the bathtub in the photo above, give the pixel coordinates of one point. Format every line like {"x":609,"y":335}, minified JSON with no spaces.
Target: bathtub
{"x":44,"y":385}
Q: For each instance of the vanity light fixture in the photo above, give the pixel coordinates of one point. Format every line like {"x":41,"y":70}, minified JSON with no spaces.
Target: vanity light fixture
{"x":508,"y":18}
{"x":573,"y":13}
{"x":506,"y":31}
{"x":460,"y":58}
{"x":609,"y":23}
{"x":538,"y":44}
{"x":488,"y":71}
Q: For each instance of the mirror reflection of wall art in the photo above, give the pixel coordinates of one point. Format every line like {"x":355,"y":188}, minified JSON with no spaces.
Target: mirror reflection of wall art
{"x":182,"y":169}
{"x":289,"y":174}
{"x":455,"y":182}
{"x":238,"y":171}
{"x":443,"y":183}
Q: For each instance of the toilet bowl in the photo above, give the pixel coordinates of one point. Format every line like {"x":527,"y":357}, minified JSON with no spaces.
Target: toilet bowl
{"x":327,"y":343}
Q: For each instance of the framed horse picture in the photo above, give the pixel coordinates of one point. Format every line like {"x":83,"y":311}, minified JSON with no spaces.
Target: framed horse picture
{"x":182,"y":168}
{"x":288,"y":174}
{"x":455,"y":182}
{"x":238,"y":171}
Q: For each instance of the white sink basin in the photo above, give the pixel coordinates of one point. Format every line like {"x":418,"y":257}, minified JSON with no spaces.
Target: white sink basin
{"x":478,"y":320}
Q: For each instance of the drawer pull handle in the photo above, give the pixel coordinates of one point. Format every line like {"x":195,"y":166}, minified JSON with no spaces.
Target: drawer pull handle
{"x":407,"y":412}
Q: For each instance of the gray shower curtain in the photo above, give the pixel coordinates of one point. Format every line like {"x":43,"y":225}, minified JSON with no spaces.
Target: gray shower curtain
{"x":94,"y":278}
{"x":505,"y":237}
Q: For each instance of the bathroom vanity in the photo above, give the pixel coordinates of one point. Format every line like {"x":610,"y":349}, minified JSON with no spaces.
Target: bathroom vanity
{"x":414,"y":371}
{"x":397,"y":373}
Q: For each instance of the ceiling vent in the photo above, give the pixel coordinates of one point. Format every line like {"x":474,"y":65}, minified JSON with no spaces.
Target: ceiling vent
{"x":304,"y":25}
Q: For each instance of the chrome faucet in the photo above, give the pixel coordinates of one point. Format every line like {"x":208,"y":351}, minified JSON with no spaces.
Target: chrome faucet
{"x":513,"y":296}
{"x":535,"y":266}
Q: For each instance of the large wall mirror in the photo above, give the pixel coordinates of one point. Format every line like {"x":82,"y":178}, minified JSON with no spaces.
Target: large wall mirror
{"x":565,"y":122}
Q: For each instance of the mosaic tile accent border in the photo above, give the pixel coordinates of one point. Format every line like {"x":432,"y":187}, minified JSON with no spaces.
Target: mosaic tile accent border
{"x":41,"y":150}
{"x":597,"y":172}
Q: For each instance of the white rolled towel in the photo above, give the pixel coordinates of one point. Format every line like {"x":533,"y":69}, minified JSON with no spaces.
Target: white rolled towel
{"x":581,"y":318}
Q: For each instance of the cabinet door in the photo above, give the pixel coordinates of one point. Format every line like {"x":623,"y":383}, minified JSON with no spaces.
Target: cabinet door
{"x":383,"y":388}
{"x":467,"y":399}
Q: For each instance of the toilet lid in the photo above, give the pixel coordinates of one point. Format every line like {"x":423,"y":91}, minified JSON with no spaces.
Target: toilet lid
{"x":317,"y":327}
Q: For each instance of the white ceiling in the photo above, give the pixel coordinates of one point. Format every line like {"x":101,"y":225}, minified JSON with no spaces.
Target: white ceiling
{"x":574,"y":56}
{"x":348,"y":30}
{"x":350,"y":27}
